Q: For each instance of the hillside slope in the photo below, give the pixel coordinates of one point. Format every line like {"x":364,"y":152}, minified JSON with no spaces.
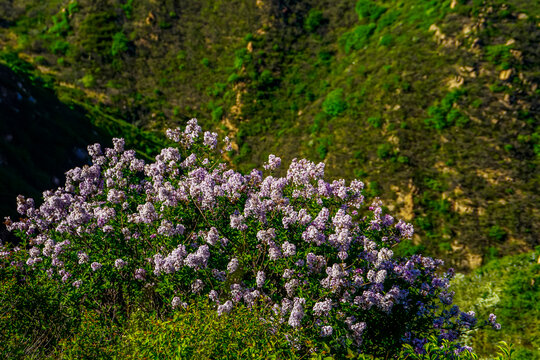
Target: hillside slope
{"x":41,"y":137}
{"x":434,"y":104}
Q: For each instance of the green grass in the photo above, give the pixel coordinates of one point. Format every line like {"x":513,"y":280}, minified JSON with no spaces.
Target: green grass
{"x":508,"y":287}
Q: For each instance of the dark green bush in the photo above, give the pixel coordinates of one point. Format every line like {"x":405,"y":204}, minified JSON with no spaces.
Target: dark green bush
{"x":60,"y":47}
{"x":334,"y":104}
{"x":322,"y":148}
{"x":313,"y":20}
{"x":367,"y":9}
{"x":386,"y":40}
{"x":497,"y":233}
{"x":119,"y":44}
{"x":384,"y":151}
{"x":445,"y":114}
{"x":217,"y":114}
{"x":357,"y":38}
{"x":499,"y":54}
{"x":388,"y":18}
{"x":375,"y":121}
{"x":128,"y":8}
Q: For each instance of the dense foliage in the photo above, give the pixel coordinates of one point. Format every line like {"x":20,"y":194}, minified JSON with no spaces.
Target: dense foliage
{"x":124,"y":235}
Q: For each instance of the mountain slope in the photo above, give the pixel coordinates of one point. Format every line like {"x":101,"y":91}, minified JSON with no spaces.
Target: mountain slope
{"x":42,"y":137}
{"x":434,"y":104}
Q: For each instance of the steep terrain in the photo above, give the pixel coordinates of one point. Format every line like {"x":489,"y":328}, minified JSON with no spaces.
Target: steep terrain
{"x":41,"y":137}
{"x":433,"y":104}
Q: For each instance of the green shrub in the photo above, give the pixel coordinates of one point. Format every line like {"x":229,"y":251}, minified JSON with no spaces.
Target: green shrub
{"x":388,"y":18}
{"x":325,"y":56}
{"x":217,"y":114}
{"x":334,"y":104}
{"x":367,"y":9}
{"x":60,"y":47}
{"x":386,"y":40}
{"x":31,"y":314}
{"x":313,"y":20}
{"x":266,"y":79}
{"x":444,"y":114}
{"x":96,"y":33}
{"x":322,"y":148}
{"x":384,"y":151}
{"x":499,"y":55}
{"x":403,"y":159}
{"x":357,"y":38}
{"x":498,"y":88}
{"x":375,"y":121}
{"x":497,"y":233}
{"x":234,"y":77}
{"x":88,"y":81}
{"x":441,"y":206}
{"x":128,"y":8}
{"x":319,"y":122}
{"x":164,"y":25}
{"x":373,"y":189}
{"x":242,"y":57}
{"x":119,"y":44}
{"x":41,"y":60}
{"x":60,"y":24}
{"x":510,"y":288}
{"x":94,"y":338}
{"x":73,"y":7}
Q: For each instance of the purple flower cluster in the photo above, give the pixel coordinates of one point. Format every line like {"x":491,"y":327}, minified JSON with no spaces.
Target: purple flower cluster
{"x":191,"y":228}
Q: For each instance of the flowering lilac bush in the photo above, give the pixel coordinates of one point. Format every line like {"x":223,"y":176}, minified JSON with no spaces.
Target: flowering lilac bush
{"x":122,"y":233}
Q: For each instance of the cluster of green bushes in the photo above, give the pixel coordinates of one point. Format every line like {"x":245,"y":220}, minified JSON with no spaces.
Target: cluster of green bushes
{"x":445,"y":113}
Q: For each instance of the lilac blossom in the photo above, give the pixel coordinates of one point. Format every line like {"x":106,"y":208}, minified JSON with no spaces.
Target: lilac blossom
{"x":273,"y":162}
{"x":213,"y":295}
{"x":326,"y":331}
{"x":177,"y":302}
{"x":210,"y":139}
{"x":261,"y":277}
{"x":296,"y":235}
{"x":297,"y":312}
{"x":232,"y":266}
{"x":322,"y":308}
{"x":140,"y":274}
{"x":197,"y":286}
{"x":225,"y":308}
{"x":119,"y":263}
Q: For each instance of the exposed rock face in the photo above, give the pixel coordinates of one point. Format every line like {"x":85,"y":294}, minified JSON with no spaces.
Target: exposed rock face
{"x":505,"y":74}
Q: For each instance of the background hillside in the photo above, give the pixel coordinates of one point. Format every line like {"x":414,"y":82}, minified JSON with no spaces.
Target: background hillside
{"x":433,"y":104}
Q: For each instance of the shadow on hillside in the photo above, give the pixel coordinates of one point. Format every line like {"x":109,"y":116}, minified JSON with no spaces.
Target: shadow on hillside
{"x":40,"y":139}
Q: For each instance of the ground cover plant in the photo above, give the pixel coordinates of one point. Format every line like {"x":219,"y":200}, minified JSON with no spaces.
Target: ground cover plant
{"x":185,"y":231}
